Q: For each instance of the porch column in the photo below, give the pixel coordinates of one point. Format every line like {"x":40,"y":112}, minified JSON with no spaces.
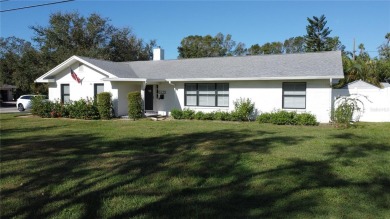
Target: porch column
{"x":143,"y":86}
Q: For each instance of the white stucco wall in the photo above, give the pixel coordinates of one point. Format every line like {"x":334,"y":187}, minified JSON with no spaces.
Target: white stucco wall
{"x":170,"y":101}
{"x":120,"y":91}
{"x":267,"y":96}
{"x":83,"y":90}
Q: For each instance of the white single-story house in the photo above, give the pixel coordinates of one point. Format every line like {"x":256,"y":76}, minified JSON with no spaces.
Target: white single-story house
{"x":373,"y":101}
{"x":298,"y":82}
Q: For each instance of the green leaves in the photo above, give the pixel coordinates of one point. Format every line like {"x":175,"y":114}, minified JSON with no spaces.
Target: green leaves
{"x":135,"y":105}
{"x":195,"y":46}
{"x":317,"y":35}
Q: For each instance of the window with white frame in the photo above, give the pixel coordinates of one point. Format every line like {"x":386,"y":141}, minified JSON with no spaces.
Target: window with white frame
{"x":294,"y":95}
{"x":206,"y":94}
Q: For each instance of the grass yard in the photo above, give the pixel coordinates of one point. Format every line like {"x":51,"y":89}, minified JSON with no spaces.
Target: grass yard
{"x":61,"y":168}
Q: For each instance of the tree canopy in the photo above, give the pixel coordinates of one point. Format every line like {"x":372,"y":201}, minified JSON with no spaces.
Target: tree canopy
{"x":65,"y":35}
{"x":196,"y":46}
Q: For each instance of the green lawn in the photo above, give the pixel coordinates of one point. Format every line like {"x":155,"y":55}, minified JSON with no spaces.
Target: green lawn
{"x":62,"y":168}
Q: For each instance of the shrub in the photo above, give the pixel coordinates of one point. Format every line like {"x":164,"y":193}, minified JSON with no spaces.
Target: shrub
{"x":41,"y":107}
{"x":264,"y":118}
{"x":306,"y":119}
{"x":344,"y":112}
{"x":208,"y":116}
{"x":188,"y":114}
{"x":177,"y":114}
{"x":104,"y":105}
{"x":83,"y":109}
{"x":224,"y":116}
{"x":199,"y":115}
{"x":287,"y":118}
{"x":284,"y":118}
{"x":135,"y":105}
{"x":243,"y":109}
{"x":59,"y":109}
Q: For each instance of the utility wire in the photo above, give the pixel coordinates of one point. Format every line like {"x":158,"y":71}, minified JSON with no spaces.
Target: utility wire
{"x":33,"y":6}
{"x":5,"y":0}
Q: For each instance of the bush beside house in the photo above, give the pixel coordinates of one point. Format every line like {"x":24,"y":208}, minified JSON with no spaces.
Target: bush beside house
{"x":135,"y":105}
{"x":104,"y":104}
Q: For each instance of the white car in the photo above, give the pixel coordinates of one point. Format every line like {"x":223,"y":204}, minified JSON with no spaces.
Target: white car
{"x":24,"y":101}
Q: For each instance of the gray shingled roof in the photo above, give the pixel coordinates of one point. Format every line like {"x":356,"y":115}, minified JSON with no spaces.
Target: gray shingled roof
{"x":321,"y":64}
{"x":119,"y":69}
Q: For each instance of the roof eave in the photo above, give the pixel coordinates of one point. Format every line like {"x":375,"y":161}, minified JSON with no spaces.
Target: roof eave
{"x":125,"y":79}
{"x":257,"y":78}
{"x":65,"y":64}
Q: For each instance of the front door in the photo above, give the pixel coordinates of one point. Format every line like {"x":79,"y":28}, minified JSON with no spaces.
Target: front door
{"x":149,"y":97}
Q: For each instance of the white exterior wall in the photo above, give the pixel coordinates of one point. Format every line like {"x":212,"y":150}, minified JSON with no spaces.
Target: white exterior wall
{"x":170,"y":101}
{"x":89,"y":77}
{"x":267,"y":96}
{"x":376,"y":102}
{"x":120,"y":91}
{"x":83,"y":90}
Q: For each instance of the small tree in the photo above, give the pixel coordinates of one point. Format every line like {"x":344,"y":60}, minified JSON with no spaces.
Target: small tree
{"x":343,"y":114}
{"x":135,"y":105}
{"x":104,"y":105}
{"x":243,"y":109}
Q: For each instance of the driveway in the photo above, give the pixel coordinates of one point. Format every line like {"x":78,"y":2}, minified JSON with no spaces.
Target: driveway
{"x":8,"y":107}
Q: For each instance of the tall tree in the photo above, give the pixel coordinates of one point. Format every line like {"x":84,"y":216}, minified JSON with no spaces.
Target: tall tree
{"x":195,"y":46}
{"x":317,"y":34}
{"x":67,"y":34}
{"x":384,"y":49}
{"x":294,"y":45}
{"x":72,"y":34}
{"x":20,"y":65}
{"x":266,"y":49}
{"x":255,"y":50}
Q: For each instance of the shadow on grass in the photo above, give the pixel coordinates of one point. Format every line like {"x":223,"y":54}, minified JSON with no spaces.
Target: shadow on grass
{"x":201,"y":174}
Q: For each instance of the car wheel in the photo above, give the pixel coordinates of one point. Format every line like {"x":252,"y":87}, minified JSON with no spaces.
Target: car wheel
{"x":20,"y":107}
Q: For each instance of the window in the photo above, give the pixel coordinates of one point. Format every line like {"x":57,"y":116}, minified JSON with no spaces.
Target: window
{"x":294,"y":95}
{"x":206,"y":94}
{"x":26,"y":97}
{"x":65,"y":93}
{"x":98,"y":88}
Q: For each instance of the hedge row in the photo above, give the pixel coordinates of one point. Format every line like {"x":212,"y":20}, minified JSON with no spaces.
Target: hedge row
{"x":191,"y":114}
{"x":80,"y":109}
{"x":278,"y":118}
{"x":287,"y":118}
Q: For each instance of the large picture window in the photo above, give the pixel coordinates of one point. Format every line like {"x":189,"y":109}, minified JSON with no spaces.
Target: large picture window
{"x":65,"y":93}
{"x":294,"y":95}
{"x":206,"y":94}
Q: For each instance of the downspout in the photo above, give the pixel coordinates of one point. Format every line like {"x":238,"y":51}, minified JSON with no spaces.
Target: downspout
{"x":331,"y":99}
{"x":143,"y":86}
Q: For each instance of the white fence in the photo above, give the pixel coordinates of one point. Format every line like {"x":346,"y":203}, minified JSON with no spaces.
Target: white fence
{"x":375,"y":101}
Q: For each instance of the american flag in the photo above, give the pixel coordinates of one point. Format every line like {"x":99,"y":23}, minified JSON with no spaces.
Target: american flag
{"x":74,"y":76}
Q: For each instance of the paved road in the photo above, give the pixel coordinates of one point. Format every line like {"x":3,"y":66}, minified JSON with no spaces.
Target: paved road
{"x":8,"y":107}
